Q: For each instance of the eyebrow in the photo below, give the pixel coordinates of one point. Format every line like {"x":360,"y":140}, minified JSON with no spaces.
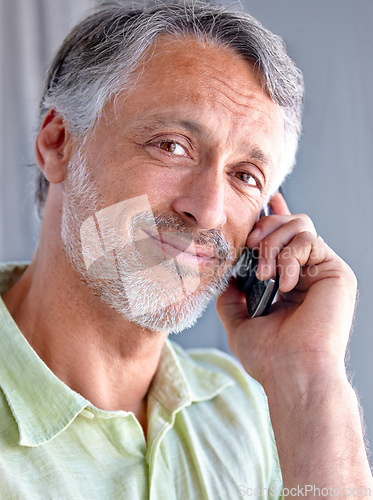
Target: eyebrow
{"x":189,"y":125}
{"x":262,"y":157}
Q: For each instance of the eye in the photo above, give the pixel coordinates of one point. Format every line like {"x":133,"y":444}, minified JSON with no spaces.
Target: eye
{"x":172,"y":147}
{"x":247,"y":179}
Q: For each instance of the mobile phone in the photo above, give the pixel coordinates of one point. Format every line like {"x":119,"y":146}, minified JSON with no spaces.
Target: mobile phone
{"x":259,"y":294}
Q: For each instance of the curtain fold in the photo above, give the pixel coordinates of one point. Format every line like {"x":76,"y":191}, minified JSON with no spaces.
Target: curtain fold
{"x":30,"y":31}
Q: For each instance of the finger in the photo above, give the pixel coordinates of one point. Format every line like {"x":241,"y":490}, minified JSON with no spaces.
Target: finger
{"x":231,"y":306}
{"x":271,"y":246}
{"x":278,"y":205}
{"x":269,"y":224}
{"x":305,"y":249}
{"x":309,"y":275}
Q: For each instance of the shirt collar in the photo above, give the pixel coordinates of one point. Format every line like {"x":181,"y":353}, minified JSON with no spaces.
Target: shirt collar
{"x":181,"y":381}
{"x":43,"y":406}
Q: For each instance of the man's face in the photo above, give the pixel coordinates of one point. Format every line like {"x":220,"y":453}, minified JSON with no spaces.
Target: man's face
{"x":170,"y":182}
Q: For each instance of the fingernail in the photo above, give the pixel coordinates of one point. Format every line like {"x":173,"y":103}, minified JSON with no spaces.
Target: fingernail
{"x":255,"y":233}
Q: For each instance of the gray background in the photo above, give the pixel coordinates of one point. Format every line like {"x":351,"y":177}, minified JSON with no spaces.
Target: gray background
{"x":331,"y":41}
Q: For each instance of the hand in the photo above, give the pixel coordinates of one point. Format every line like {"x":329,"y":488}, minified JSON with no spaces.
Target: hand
{"x":307,"y":329}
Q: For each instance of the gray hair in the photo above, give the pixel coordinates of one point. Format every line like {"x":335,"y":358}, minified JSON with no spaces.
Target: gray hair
{"x":98,"y":57}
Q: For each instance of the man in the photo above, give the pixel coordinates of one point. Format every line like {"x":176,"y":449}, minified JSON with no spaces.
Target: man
{"x":164,"y":132}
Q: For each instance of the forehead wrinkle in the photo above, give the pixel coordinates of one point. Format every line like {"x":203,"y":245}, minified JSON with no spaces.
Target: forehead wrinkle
{"x":242,"y":113}
{"x":252,"y":78}
{"x":251,"y":102}
{"x":242,"y":94}
{"x":252,"y":108}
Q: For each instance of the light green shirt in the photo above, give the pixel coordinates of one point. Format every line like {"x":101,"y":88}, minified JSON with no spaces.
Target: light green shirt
{"x":209,"y":434}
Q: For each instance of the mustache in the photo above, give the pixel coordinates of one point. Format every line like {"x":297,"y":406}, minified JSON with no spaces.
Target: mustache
{"x":212,"y":239}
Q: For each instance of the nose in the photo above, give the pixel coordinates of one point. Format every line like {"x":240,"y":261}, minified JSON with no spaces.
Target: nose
{"x":202,"y":201}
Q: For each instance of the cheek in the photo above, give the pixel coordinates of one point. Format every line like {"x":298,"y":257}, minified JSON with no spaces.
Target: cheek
{"x":118,"y":182}
{"x":163,"y":185}
{"x":240,"y":230}
{"x":240,"y":221}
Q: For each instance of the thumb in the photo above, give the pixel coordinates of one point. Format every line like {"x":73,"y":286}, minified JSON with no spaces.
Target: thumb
{"x":231,"y":307}
{"x":278,"y":205}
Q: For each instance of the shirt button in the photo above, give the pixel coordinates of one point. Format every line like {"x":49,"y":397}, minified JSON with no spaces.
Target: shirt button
{"x":86,"y":413}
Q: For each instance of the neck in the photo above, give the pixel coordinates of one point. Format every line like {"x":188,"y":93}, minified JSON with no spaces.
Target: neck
{"x":92,"y":348}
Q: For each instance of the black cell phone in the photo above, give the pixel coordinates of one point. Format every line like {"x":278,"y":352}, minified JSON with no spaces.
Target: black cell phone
{"x":259,"y":294}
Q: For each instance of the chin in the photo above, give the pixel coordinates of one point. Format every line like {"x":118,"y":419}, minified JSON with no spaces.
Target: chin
{"x":156,"y":302}
{"x":155,"y":308}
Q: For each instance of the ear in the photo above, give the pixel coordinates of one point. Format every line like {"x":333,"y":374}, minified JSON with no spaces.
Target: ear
{"x":53,"y":147}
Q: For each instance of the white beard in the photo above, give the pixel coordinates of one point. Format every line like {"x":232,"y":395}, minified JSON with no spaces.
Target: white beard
{"x":154,"y":293}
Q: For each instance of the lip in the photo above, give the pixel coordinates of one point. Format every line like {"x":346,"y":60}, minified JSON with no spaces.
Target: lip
{"x":175,"y":247}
